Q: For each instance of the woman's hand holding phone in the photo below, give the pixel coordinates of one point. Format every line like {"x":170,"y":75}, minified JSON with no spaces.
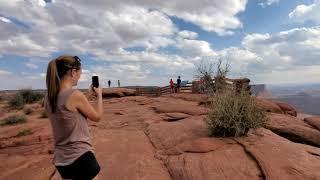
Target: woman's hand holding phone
{"x":95,"y":91}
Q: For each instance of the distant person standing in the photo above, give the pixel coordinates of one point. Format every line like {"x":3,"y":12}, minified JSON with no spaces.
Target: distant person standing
{"x":109,"y":83}
{"x":178,"y":84}
{"x":172,"y":85}
{"x":118,"y":83}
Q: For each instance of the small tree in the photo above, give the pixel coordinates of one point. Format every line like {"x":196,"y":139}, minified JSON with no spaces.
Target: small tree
{"x":212,"y":80}
{"x":230,"y":113}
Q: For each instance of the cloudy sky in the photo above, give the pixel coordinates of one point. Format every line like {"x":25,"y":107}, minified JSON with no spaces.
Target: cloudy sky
{"x":143,"y":42}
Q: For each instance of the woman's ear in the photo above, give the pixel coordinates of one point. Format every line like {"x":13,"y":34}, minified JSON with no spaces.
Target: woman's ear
{"x":73,"y":72}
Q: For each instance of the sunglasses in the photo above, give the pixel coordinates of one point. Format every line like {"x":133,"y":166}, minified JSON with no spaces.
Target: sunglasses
{"x":77,"y":59}
{"x":77,"y":62}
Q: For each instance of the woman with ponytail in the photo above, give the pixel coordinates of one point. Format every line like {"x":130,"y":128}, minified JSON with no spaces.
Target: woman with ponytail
{"x":68,"y":110}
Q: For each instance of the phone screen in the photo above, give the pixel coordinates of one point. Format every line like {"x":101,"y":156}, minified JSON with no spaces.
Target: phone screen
{"x":95,"y":81}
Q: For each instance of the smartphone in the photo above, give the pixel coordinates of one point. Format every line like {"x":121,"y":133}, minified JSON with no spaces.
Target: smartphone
{"x":95,"y":81}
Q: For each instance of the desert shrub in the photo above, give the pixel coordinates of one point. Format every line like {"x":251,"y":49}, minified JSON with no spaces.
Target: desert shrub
{"x":230,"y":113}
{"x":30,"y":96}
{"x":1,"y":98}
{"x":14,"y":119}
{"x":16,"y":102}
{"x":44,"y":114}
{"x":25,"y":132}
{"x":212,"y":75}
{"x":28,"y":110}
{"x":24,"y":96}
{"x":234,"y":114}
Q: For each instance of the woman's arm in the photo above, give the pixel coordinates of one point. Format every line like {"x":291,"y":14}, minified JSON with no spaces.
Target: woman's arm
{"x":82,"y":105}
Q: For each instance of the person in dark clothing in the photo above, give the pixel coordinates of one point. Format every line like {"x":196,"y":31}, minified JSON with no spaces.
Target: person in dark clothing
{"x":109,"y":83}
{"x":178,"y":84}
{"x":118,"y":83}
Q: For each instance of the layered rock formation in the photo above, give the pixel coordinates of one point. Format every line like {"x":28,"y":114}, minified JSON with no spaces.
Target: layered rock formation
{"x":142,"y":138}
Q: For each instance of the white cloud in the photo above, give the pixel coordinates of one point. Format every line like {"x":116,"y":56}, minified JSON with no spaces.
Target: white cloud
{"x":188,"y":34}
{"x":191,"y":47}
{"x":269,"y":55}
{"x":298,"y":74}
{"x":266,"y":3}
{"x":105,"y":29}
{"x":31,"y":65}
{"x":304,"y":13}
{"x":4,"y":73}
{"x":6,"y":20}
{"x":77,"y":25}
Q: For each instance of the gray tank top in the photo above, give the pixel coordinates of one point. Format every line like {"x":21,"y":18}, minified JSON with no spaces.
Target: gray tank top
{"x":70,"y":132}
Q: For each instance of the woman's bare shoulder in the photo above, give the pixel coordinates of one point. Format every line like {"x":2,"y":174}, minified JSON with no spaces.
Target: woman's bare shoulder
{"x":78,"y":95}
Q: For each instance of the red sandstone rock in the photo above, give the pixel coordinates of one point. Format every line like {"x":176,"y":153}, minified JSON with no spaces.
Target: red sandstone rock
{"x":268,"y":106}
{"x":165,"y":135}
{"x":118,"y":92}
{"x":174,"y":116}
{"x":287,"y":109}
{"x":139,"y":145}
{"x":294,"y":129}
{"x":180,"y":108}
{"x":227,"y":162}
{"x":279,"y":158}
{"x":313,"y":121}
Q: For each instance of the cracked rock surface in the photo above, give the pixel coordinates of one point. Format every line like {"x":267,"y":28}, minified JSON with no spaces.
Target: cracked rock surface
{"x":164,"y":138}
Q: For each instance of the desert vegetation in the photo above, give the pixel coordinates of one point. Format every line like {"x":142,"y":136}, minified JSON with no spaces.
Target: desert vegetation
{"x":24,"y":96}
{"x":24,"y":132}
{"x":231,"y":113}
{"x":14,"y":119}
{"x":27,"y":110}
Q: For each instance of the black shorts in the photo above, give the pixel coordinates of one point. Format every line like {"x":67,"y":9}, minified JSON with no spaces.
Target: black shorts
{"x":85,"y":167}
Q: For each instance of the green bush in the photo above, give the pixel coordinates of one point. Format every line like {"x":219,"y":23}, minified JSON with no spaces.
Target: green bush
{"x":16,"y":102}
{"x":30,"y":96}
{"x":25,"y":132}
{"x":28,"y":110}
{"x":24,"y":96}
{"x":234,"y":114}
{"x":14,"y":119}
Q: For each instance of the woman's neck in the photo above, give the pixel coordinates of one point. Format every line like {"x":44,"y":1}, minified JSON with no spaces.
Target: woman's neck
{"x":65,"y":85}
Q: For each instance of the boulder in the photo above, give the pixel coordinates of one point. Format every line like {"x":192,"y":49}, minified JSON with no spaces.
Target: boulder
{"x":118,"y":92}
{"x":293,"y":129}
{"x":279,"y":158}
{"x":226,"y":162}
{"x":260,"y":155}
{"x":287,"y":108}
{"x":314,"y":121}
{"x":268,"y":106}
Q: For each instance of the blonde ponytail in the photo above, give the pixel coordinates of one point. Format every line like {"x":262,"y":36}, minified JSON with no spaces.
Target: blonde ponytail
{"x":57,"y":68}
{"x":53,"y":85}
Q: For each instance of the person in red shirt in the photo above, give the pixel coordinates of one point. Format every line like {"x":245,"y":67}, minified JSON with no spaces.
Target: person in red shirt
{"x":171,"y":86}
